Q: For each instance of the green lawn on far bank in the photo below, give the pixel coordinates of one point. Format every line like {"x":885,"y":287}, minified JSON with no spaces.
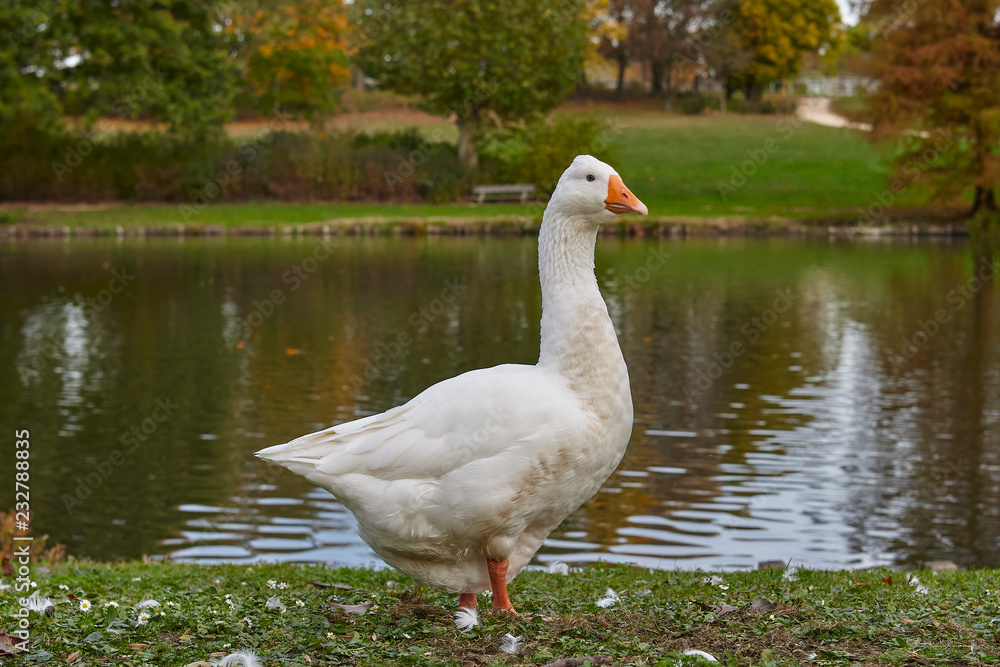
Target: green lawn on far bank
{"x":706,"y":166}
{"x":291,"y":615}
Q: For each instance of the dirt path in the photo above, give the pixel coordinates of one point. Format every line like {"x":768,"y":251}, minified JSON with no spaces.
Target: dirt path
{"x":817,"y":110}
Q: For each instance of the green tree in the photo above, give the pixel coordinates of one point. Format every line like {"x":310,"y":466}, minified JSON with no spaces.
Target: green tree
{"x":777,"y":32}
{"x":937,"y":103}
{"x":476,"y":59}
{"x":28,"y":47}
{"x":166,"y":60}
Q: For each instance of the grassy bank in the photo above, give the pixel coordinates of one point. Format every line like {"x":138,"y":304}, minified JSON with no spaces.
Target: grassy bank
{"x":752,"y":166}
{"x":818,"y":618}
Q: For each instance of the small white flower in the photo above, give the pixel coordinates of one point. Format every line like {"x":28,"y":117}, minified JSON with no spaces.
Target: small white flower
{"x":248,"y":622}
{"x":300,"y":603}
{"x":282,"y":585}
{"x":232,"y":605}
{"x":701,"y":654}
{"x":274,"y":602}
{"x":271,"y":583}
{"x":33,"y":584}
{"x":330,"y":635}
{"x":136,"y":578}
{"x":791,"y":573}
{"x":149,"y":602}
{"x":558,"y":567}
{"x":609,"y":599}
{"x":38,"y":604}
{"x":226,"y":645}
{"x":84,"y":605}
{"x":143,"y":618}
{"x":724,"y":587}
{"x":466,"y":618}
{"x":511,"y":644}
{"x":111,"y":603}
{"x":915,"y":582}
{"x":244,"y":657}
{"x":170,"y":603}
{"x":63,"y":587}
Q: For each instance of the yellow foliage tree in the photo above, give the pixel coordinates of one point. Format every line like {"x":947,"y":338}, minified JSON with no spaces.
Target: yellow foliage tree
{"x":777,"y":32}
{"x":298,"y":55}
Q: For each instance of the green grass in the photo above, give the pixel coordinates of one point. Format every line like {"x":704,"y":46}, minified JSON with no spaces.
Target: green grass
{"x":871,"y":617}
{"x":678,"y":165}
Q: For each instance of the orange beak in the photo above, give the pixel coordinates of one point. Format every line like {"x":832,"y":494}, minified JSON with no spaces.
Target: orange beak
{"x":621,"y":200}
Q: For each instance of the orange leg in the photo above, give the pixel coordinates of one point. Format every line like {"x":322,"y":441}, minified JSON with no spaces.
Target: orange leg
{"x":498,"y":582}
{"x":467,"y":600}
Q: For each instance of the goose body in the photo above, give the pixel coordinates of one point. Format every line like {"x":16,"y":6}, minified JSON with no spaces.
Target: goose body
{"x":459,"y":487}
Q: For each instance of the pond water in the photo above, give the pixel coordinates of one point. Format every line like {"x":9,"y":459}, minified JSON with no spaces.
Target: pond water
{"x":833,"y":404}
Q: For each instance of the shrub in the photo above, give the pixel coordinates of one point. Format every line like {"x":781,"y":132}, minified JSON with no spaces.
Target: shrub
{"x":773,"y":103}
{"x":539,"y":152}
{"x":693,"y":103}
{"x":294,"y":166}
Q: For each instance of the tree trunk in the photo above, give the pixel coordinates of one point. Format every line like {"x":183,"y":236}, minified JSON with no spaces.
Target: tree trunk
{"x":668,"y":89}
{"x":620,"y":87}
{"x":985,"y":200}
{"x":656,"y":78}
{"x":722,"y":99}
{"x":467,"y":156}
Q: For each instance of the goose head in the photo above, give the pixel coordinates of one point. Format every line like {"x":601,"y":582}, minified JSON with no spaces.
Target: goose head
{"x":592,"y":190}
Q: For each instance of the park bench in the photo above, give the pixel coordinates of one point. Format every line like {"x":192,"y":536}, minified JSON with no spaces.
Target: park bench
{"x":521,"y":190}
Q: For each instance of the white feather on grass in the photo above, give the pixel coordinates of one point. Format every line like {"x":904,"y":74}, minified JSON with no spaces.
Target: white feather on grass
{"x":511,"y":644}
{"x":244,"y":657}
{"x":466,"y":618}
{"x":558,"y":567}
{"x":609,"y":600}
{"x":39,"y":604}
{"x":701,"y":654}
{"x":274,"y":602}
{"x":147,"y":603}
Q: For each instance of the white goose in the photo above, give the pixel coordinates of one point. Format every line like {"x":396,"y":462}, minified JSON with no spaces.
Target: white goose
{"x":459,"y":487}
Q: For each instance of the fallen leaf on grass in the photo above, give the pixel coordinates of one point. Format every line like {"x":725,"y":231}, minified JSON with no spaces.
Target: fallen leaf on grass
{"x":358,"y":609}
{"x":218,"y":654}
{"x":717,"y":608}
{"x":760,"y":604}
{"x":10,"y":644}
{"x":137,"y":647}
{"x":323,"y":584}
{"x":73,"y":657}
{"x":200,"y":663}
{"x":906,"y":620}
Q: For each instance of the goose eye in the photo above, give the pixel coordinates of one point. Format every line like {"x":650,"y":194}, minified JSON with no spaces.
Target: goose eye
{"x":590,"y":177}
